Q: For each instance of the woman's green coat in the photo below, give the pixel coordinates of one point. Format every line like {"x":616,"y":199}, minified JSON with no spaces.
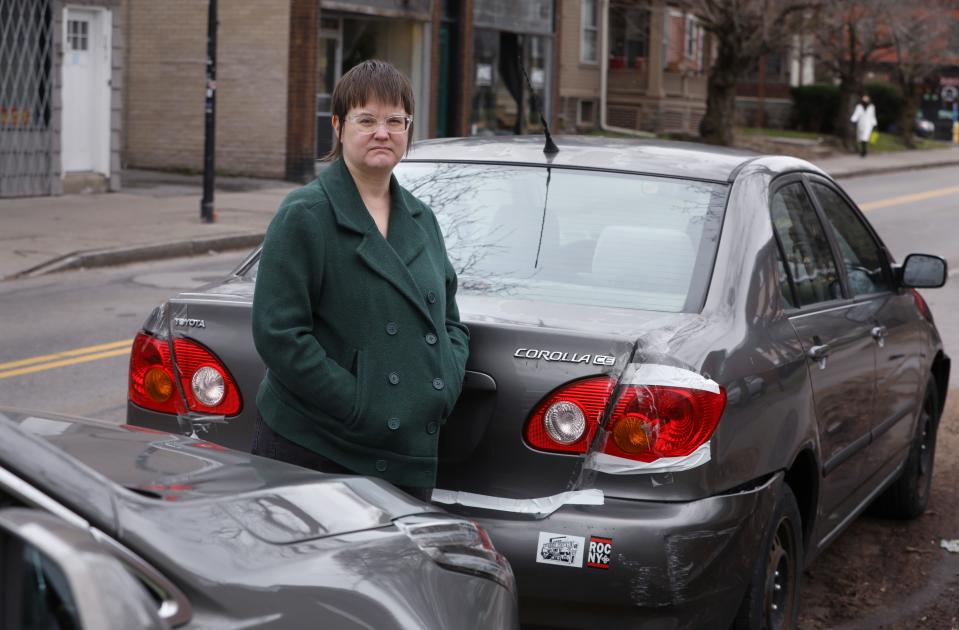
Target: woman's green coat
{"x":361,"y":336}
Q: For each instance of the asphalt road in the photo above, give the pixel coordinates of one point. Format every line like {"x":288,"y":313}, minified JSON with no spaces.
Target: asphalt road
{"x":918,"y":212}
{"x":87,"y":318}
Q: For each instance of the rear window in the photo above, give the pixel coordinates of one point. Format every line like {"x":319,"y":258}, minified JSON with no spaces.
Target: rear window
{"x":574,"y":236}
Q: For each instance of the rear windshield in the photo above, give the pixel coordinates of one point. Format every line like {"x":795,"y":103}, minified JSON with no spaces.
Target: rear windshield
{"x":574,"y":236}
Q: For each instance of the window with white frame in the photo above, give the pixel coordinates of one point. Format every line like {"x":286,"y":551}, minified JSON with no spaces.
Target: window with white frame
{"x":588,"y":34}
{"x":694,"y":42}
{"x":585,"y":112}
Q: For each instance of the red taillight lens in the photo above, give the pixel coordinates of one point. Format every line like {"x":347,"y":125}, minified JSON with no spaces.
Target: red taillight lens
{"x":648,"y":421}
{"x":152,"y":385}
{"x":557,"y":416}
{"x":656,"y":421}
{"x":151,"y":375}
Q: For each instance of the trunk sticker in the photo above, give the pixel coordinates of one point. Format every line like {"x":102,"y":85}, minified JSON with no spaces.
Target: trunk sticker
{"x":600,"y":551}
{"x":566,"y":551}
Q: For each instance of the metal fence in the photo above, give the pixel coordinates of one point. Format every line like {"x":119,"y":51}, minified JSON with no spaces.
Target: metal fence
{"x":27,"y":134}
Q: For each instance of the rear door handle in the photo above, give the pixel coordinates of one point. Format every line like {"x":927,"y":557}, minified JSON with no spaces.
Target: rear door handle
{"x":879,"y":334}
{"x":819,"y":354}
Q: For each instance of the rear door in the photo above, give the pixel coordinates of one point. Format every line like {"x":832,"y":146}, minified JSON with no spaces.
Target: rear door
{"x":893,"y":323}
{"x":835,"y":332}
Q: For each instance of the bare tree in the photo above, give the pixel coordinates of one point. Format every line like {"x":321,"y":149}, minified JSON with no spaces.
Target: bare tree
{"x":850,"y":35}
{"x":919,"y":37}
{"x":744,"y":31}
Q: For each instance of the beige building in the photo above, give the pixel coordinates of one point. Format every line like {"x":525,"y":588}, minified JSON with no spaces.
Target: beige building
{"x":631,"y":65}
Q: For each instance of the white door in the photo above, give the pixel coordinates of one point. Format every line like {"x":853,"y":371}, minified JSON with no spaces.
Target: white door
{"x":86,"y":90}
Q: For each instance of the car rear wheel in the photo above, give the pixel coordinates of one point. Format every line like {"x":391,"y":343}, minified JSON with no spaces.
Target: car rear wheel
{"x":772,"y":599}
{"x":908,"y":496}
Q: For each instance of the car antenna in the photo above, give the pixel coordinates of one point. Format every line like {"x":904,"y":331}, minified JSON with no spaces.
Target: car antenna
{"x":550,"y":148}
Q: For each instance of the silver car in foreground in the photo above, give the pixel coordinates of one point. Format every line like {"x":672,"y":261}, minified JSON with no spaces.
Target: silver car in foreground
{"x":106,"y":527}
{"x":690,"y":369}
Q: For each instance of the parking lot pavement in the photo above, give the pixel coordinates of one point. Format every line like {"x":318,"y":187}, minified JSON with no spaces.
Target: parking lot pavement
{"x":157,"y":215}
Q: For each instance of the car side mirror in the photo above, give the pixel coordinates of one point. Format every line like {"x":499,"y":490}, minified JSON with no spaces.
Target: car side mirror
{"x":56,"y":575}
{"x":923,"y":271}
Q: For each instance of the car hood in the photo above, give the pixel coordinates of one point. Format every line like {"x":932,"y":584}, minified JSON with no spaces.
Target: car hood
{"x":150,"y":469}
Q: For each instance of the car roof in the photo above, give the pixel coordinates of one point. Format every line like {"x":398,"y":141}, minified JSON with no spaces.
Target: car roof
{"x":634,"y":155}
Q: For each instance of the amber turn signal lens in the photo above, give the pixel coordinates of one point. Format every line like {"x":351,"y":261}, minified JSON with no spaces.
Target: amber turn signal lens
{"x":631,"y":435}
{"x":158,"y":384}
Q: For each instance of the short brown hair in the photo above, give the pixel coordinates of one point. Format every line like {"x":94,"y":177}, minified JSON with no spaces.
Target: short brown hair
{"x":370,"y":80}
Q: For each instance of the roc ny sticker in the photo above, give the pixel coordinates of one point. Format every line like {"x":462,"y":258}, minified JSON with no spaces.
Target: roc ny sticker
{"x":566,"y":551}
{"x":600,"y":550}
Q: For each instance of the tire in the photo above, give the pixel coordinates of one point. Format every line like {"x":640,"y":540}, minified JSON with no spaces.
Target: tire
{"x":908,"y":495}
{"x":772,"y":598}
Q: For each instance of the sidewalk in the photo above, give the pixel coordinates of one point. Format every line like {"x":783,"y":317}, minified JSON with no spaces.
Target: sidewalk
{"x":157,"y":215}
{"x":846,"y":166}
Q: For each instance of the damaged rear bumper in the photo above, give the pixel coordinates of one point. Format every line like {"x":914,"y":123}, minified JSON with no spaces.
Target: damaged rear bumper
{"x":675,"y":565}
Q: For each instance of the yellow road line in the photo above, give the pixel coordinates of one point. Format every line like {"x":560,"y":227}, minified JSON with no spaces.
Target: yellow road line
{"x":54,"y":364}
{"x":895,"y":201}
{"x":66,"y":353}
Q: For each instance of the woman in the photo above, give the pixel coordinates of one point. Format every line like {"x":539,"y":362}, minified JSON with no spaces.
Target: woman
{"x":864,"y":117}
{"x":354,"y":312}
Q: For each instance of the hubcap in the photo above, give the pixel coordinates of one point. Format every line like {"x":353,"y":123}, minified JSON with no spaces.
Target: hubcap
{"x":780,"y":585}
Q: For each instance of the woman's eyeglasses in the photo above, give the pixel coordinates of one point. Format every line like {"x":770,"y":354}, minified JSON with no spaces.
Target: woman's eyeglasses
{"x":369,"y":124}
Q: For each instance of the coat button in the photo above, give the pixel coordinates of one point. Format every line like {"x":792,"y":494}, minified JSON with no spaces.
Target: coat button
{"x":381,"y":465}
{"x":393,"y":423}
{"x":431,"y":297}
{"x":430,"y":338}
{"x":438,"y":383}
{"x":432,"y":427}
{"x":394,"y":378}
{"x":392,"y":328}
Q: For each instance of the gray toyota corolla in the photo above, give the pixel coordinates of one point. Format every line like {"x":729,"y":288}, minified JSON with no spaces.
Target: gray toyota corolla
{"x":689,"y":370}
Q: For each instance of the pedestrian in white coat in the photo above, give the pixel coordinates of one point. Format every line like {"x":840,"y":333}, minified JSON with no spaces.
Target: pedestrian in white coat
{"x":864,"y":117}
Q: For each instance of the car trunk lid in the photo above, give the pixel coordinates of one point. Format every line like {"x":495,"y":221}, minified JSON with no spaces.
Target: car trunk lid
{"x":519,"y":353}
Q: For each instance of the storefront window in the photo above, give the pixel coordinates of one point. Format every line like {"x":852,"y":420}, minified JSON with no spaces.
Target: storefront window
{"x":628,"y":36}
{"x":501,"y":101}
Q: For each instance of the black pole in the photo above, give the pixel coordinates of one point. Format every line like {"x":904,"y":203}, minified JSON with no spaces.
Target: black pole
{"x":206,"y":204}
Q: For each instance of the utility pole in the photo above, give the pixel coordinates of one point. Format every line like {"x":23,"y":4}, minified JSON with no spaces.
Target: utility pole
{"x":207,"y":215}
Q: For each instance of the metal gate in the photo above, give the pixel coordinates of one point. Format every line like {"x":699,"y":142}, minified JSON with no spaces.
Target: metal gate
{"x":27,"y":165}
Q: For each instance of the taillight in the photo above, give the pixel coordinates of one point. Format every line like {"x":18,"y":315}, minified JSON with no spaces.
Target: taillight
{"x":208,"y":385}
{"x":647,"y":422}
{"x":566,"y":420}
{"x":924,"y":309}
{"x":653,"y":421}
{"x":152,"y":383}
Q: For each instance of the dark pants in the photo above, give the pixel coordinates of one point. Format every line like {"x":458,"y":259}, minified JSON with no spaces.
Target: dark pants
{"x":862,"y":148}
{"x":269,"y":443}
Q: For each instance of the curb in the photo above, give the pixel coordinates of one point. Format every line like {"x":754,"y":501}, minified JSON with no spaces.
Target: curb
{"x":882,"y":170}
{"x":140,"y":253}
